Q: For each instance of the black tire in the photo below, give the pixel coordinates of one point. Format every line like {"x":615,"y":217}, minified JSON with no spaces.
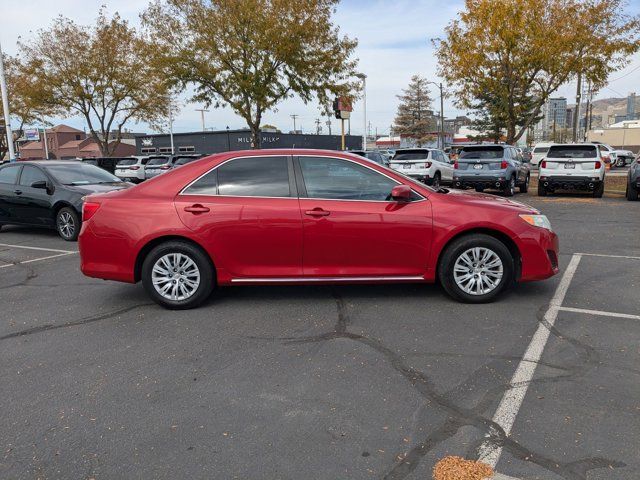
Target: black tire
{"x":599,"y":190}
{"x":68,"y":224}
{"x":631,"y":193}
{"x":524,"y":188}
{"x":436,"y":181}
{"x":621,"y":161}
{"x":542,"y":191}
{"x":479,"y":189}
{"x":204,"y":267}
{"x":509,"y":189}
{"x":456,"y":249}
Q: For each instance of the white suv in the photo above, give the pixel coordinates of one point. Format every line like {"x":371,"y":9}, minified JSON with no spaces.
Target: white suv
{"x":539,"y":152}
{"x":427,"y":165}
{"x":131,"y":169}
{"x":578,"y":166}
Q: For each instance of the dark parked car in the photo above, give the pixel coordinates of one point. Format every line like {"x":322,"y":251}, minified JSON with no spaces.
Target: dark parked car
{"x":49,"y":193}
{"x":372,"y":155}
{"x":105,"y":163}
{"x":499,"y":167}
{"x":633,"y":181}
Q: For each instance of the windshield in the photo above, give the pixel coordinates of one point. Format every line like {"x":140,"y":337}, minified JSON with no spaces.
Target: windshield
{"x":158,"y":161}
{"x":481,"y":153}
{"x":415,"y":155}
{"x":80,"y":174}
{"x":127,"y":161}
{"x":572,"y":151}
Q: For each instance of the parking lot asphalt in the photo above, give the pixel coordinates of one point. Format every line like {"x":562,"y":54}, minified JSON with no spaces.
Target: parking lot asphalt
{"x":345,"y":382}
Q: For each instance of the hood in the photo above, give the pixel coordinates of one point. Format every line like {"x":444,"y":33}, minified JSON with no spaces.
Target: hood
{"x":465,"y":197}
{"x":99,"y":188}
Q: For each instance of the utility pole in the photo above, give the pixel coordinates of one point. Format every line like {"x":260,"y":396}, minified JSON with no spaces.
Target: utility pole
{"x":318,"y":127}
{"x":586,"y":113}
{"x":171,"y":125}
{"x":294,"y":121}
{"x":202,"y":110}
{"x":328,"y":123}
{"x":576,"y":113}
{"x":5,"y":107}
{"x":46,"y":142}
{"x":442,"y":115}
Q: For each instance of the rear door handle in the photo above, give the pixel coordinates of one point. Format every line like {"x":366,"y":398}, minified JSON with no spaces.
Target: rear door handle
{"x":317,"y":212}
{"x":197,"y":209}
{"x":18,"y":192}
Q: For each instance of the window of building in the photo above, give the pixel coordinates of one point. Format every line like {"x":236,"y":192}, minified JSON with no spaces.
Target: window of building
{"x":166,"y":150}
{"x":147,"y":150}
{"x":186,"y":149}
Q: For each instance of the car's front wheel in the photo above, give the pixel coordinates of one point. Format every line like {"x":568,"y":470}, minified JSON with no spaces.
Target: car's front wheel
{"x":68,"y":224}
{"x":177,"y":275}
{"x":524,"y":188}
{"x":476,"y":268}
{"x":621,"y":162}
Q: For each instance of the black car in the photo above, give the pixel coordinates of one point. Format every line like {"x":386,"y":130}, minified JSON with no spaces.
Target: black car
{"x":633,"y":181}
{"x":372,"y":155}
{"x":49,"y":193}
{"x":106,"y":163}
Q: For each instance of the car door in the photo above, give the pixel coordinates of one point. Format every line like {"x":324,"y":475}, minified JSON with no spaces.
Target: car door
{"x":35,"y":203}
{"x":523,"y":167}
{"x":246,"y":211}
{"x":351,"y":226}
{"x":8,"y":193}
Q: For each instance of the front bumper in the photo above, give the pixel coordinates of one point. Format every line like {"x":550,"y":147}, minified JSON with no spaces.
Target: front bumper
{"x":540,"y":250}
{"x":560,"y":182}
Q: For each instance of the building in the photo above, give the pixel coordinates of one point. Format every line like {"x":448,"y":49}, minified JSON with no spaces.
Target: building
{"x":64,"y":142}
{"x":554,"y":119}
{"x":632,"y":105}
{"x":452,"y":125}
{"x":226,"y":140}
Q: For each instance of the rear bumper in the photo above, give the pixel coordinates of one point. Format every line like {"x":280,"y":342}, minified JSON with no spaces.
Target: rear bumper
{"x":108,"y":259}
{"x":569,"y":183}
{"x":497,"y":181}
{"x":540,"y":252}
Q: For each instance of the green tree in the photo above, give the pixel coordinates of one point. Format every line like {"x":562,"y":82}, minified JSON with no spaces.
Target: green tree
{"x":415,"y":117}
{"x":100,"y":72}
{"x":252,"y":54}
{"x":506,"y":57}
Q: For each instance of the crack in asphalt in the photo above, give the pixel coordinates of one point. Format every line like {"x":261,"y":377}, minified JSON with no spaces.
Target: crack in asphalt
{"x":74,"y":323}
{"x":459,"y":416}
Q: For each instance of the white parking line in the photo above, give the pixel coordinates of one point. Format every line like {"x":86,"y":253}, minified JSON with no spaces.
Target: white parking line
{"x":37,"y":248}
{"x":608,"y":256}
{"x":512,"y":400}
{"x":38,"y":259}
{"x":599,"y":312}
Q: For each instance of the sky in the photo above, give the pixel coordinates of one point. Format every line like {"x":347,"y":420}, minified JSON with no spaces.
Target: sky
{"x":394,"y":44}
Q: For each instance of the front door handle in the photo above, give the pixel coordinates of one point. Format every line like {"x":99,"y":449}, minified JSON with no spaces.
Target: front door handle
{"x":197,"y":209}
{"x":18,"y":192}
{"x":317,"y":212}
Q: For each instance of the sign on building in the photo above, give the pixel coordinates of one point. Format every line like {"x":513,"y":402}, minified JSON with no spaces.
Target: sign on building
{"x":32,"y":134}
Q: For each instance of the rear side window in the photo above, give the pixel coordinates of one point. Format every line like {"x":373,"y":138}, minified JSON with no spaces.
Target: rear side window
{"x":30,"y":175}
{"x":481,"y":153}
{"x":573,"y":151}
{"x":9,"y":174}
{"x":246,"y":177}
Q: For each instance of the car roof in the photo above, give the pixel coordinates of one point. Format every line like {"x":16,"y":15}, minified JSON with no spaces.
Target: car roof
{"x":44,"y":163}
{"x":491,"y":146}
{"x":588,"y":144}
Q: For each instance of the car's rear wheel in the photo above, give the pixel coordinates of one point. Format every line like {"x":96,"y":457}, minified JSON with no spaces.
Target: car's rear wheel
{"x":510,"y":187}
{"x":178,"y":275}
{"x":68,"y":224}
{"x":542,"y":190}
{"x":476,"y":268}
{"x":631,"y":193}
{"x":621,"y":162}
{"x":479,"y":189}
{"x":435,"y":183}
{"x":599,"y":190}
{"x":524,"y":188}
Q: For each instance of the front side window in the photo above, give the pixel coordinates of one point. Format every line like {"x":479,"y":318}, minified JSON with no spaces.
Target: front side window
{"x":246,"y":177}
{"x":30,"y":175}
{"x":332,"y":178}
{"x":9,"y":174}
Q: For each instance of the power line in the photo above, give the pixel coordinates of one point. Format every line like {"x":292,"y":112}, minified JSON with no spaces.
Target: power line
{"x":625,"y":75}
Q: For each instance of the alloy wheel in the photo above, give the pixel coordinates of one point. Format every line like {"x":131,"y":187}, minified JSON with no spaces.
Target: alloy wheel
{"x":478,"y":271}
{"x":66,"y":225}
{"x":175,"y":276}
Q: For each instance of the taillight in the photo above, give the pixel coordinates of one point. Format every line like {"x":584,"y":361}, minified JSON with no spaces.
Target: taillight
{"x":89,"y":209}
{"x":455,"y":165}
{"x":165,"y":167}
{"x":503,"y":164}
{"x":543,"y":164}
{"x":135,"y":167}
{"x":598,"y":165}
{"x":427,"y":165}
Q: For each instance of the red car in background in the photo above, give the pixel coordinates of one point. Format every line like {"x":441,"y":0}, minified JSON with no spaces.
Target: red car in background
{"x":308,"y":216}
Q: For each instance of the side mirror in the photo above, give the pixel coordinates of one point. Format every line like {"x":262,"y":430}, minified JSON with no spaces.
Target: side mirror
{"x":401,"y":193}
{"x":42,"y":184}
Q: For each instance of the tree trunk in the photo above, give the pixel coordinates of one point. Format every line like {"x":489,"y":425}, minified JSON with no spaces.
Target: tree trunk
{"x":255,"y":136}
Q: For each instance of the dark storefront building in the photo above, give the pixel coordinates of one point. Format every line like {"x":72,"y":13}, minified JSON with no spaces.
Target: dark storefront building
{"x":222,"y":141}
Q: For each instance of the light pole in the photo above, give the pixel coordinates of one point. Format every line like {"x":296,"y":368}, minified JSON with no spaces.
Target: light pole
{"x":228,"y":140}
{"x":171,"y":125}
{"x":5,"y":107}
{"x":363,"y":77}
{"x":202,"y":110}
{"x":441,"y":135}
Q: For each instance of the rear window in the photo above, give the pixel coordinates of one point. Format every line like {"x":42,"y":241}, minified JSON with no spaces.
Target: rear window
{"x":573,"y":151}
{"x":127,"y":161}
{"x":158,"y":161}
{"x":412,"y":155}
{"x":541,"y":150}
{"x":481,"y":153}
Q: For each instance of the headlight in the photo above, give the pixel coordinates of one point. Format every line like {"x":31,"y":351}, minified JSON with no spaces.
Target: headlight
{"x":537,"y":221}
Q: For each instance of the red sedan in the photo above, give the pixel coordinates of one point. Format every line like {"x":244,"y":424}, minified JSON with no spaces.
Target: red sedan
{"x":308,"y":216}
